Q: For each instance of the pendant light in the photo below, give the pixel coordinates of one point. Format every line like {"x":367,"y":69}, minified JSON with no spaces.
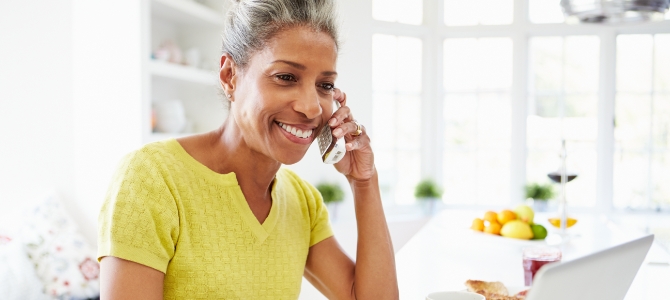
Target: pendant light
{"x":615,"y":11}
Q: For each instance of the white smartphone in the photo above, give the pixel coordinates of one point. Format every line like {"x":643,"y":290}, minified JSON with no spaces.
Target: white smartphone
{"x":332,"y":150}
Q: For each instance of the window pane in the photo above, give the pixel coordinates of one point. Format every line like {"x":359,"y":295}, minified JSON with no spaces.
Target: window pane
{"x":662,"y":62}
{"x":634,"y":63}
{"x":474,"y":12}
{"x":460,"y":57}
{"x":661,"y":125}
{"x":495,"y":63}
{"x":460,"y":13}
{"x":642,"y":131}
{"x":483,"y":63}
{"x":546,"y":63}
{"x":632,"y":112}
{"x":477,"y":118}
{"x":563,"y":105}
{"x":660,"y":174}
{"x":494,"y":121}
{"x":396,"y":80}
{"x":581,"y":69}
{"x":460,"y":121}
{"x":401,"y":11}
{"x":545,"y":11}
{"x":631,"y":179}
{"x":496,"y":12}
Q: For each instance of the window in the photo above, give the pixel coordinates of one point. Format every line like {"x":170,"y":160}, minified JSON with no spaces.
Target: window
{"x":477,"y":118}
{"x":545,"y":11}
{"x":396,"y":73}
{"x":563,"y":94}
{"x":503,"y":93}
{"x":401,"y":11}
{"x":642,"y":132}
{"x":477,"y":12}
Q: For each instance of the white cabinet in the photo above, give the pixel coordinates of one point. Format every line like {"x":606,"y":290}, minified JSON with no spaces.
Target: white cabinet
{"x":182,"y":44}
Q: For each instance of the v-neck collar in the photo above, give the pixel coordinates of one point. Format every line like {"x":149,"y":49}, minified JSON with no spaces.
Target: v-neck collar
{"x":260,"y":231}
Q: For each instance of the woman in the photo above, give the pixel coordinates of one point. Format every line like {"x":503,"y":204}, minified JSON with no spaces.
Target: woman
{"x":214,"y":216}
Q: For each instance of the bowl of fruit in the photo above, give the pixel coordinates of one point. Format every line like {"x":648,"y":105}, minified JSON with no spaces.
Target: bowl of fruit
{"x":515,"y":224}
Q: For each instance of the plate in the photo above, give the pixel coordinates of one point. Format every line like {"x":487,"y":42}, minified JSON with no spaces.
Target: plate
{"x":513,"y":290}
{"x":502,"y":239}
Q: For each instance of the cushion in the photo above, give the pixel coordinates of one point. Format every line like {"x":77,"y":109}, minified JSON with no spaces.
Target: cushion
{"x":63,"y":259}
{"x":18,"y":279}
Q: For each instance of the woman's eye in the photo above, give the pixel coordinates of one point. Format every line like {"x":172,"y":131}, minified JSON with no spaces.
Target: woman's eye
{"x":328,"y":86}
{"x":286,"y":77}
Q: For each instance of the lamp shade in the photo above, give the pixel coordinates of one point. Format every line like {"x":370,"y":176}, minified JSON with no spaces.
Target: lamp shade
{"x":615,"y":11}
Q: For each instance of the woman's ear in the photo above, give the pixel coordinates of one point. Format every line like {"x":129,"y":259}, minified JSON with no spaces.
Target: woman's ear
{"x":227,"y":75}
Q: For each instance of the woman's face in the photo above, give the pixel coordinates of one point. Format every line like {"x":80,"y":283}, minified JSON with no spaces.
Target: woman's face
{"x":285,"y":95}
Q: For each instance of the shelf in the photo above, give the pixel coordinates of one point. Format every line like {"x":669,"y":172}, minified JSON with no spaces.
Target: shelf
{"x":187,"y":12}
{"x":182,"y":73}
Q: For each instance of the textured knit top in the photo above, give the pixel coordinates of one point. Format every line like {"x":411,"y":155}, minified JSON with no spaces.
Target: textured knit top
{"x":167,"y":211}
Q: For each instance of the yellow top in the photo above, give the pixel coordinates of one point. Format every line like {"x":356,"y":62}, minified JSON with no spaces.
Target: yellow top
{"x":167,"y":211}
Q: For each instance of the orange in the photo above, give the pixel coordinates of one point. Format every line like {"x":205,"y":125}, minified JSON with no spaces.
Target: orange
{"x":557,"y":222}
{"x":493,"y":228}
{"x":491,"y":216}
{"x":506,"y":216}
{"x":477,"y":224}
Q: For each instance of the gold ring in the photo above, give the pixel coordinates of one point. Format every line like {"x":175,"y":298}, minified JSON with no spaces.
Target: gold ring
{"x":359,"y":129}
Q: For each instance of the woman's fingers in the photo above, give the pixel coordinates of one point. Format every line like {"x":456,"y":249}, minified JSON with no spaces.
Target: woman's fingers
{"x":342,"y":115}
{"x":346,"y":128}
{"x":340,"y":97}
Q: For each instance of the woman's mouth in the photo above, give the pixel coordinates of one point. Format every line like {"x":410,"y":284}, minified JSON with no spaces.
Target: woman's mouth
{"x":299,"y":133}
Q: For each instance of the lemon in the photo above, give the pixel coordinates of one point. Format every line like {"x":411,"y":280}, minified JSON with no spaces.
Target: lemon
{"x":539,"y":232}
{"x":517,"y":229}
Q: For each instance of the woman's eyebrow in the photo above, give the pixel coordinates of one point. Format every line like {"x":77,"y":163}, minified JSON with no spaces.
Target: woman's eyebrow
{"x":302,"y":67}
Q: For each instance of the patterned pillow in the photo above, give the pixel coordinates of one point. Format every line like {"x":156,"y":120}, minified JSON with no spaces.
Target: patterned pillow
{"x":17,"y":276}
{"x":63,"y":259}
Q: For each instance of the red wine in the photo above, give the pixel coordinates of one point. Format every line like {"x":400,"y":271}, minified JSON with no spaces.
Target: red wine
{"x":556,"y":176}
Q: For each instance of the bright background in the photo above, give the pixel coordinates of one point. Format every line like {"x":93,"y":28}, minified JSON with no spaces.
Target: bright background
{"x":473,"y":94}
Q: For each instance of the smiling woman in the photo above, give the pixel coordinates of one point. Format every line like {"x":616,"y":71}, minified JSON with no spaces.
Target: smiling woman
{"x":215,"y":216}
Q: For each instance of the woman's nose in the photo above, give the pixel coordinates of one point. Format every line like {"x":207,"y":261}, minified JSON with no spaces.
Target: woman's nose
{"x":308,"y":104}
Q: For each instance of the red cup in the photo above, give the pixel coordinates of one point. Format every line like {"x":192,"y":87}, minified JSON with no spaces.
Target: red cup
{"x":536,"y":257}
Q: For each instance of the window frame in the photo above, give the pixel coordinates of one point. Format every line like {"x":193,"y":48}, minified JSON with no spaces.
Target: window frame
{"x":433,"y":32}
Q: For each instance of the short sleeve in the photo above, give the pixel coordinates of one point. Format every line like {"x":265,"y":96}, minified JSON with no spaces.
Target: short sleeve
{"x":139,"y":220}
{"x":320,"y":223}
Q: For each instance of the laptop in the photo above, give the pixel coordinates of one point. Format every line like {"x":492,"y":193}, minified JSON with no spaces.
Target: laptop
{"x":602,"y":275}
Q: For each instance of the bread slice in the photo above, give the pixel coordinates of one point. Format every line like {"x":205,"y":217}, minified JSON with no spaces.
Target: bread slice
{"x":490,"y":288}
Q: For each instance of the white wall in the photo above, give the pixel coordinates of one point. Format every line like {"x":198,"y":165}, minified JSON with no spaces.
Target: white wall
{"x":36,"y":116}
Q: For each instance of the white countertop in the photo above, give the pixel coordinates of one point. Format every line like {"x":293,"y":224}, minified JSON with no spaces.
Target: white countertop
{"x":445,"y":253}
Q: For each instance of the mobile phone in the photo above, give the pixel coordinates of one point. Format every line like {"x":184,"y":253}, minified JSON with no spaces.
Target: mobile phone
{"x":332,"y":150}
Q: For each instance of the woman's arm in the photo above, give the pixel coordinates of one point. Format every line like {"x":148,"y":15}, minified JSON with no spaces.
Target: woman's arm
{"x":124,"y":279}
{"x":373,"y":276}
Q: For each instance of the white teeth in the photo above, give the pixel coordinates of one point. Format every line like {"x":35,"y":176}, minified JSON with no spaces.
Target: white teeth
{"x":294,"y":131}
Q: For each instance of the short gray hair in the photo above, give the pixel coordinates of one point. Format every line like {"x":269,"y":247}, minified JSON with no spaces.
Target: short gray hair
{"x":250,"y":24}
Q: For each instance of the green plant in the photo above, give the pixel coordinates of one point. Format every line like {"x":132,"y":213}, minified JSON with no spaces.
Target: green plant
{"x":331,"y":192}
{"x":427,"y":189}
{"x":539,"y":191}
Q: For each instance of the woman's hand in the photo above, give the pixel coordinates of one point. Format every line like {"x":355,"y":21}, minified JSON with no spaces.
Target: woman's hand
{"x":358,"y":163}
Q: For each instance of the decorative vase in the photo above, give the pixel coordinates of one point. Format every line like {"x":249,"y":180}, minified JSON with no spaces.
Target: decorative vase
{"x":170,"y":116}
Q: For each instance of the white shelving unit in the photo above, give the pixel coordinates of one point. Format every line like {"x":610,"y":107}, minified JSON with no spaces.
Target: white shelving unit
{"x":182,"y":73}
{"x":188,"y":24}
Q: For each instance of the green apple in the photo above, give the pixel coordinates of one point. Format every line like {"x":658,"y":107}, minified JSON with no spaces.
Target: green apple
{"x":524,"y":213}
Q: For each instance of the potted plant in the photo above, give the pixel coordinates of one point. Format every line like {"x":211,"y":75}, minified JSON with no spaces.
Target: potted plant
{"x":332,"y":195}
{"x":428,"y":192}
{"x":540,"y":193}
